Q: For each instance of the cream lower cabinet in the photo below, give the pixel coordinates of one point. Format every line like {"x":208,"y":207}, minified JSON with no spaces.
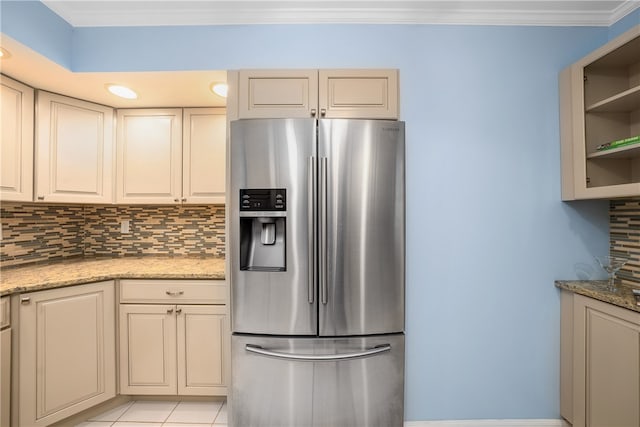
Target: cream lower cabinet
{"x":16,"y":145}
{"x":66,"y":352}
{"x":173,"y":349}
{"x":5,"y":362}
{"x":606,"y":365}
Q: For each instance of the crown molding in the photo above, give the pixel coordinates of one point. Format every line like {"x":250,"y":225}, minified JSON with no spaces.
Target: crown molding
{"x":623,"y":10}
{"x":102,"y":13}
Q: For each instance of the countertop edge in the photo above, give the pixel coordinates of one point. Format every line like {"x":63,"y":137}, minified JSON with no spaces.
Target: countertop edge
{"x":596,"y":289}
{"x":79,"y":272}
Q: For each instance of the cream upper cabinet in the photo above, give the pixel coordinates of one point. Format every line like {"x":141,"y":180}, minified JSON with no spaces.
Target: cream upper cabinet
{"x":277,"y":93}
{"x":171,"y":156}
{"x":605,"y":373}
{"x":344,"y":93}
{"x":74,"y":150}
{"x":66,"y":352}
{"x":203,"y":155}
{"x":599,"y":117}
{"x":149,"y":166}
{"x":16,"y":146}
{"x":363,"y":94}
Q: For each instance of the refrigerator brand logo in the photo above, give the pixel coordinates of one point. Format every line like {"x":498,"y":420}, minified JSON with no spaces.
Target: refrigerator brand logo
{"x":392,"y":129}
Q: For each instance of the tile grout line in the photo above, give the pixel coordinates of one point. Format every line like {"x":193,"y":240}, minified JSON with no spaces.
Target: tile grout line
{"x":171,"y":412}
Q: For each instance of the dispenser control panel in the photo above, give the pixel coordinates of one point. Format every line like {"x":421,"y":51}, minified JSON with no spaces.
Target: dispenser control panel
{"x":263,"y":199}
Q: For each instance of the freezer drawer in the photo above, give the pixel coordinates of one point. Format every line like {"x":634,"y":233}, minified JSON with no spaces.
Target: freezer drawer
{"x":319,"y":382}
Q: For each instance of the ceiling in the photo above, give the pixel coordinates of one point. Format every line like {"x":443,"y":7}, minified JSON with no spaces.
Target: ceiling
{"x":191,"y":88}
{"x":155,"y":89}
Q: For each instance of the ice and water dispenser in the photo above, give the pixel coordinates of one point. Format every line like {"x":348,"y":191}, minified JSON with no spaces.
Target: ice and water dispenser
{"x":262,"y":229}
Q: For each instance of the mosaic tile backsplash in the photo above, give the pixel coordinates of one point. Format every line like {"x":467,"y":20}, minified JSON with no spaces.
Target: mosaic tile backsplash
{"x":35,"y":232}
{"x":624,"y":235}
{"x":39,"y":232}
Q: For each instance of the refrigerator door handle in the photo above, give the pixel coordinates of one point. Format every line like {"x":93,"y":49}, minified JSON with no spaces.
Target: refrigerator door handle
{"x":312,"y":219}
{"x":318,"y":357}
{"x":323,"y":230}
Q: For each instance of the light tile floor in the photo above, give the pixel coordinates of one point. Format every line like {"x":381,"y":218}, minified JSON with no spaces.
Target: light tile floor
{"x":145,"y":413}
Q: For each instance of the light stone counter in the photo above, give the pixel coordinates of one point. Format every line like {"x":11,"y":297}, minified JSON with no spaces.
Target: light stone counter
{"x":597,"y":289}
{"x":86,"y":270}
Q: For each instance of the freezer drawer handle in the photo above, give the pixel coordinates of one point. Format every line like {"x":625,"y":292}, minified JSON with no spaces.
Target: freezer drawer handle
{"x":319,"y":357}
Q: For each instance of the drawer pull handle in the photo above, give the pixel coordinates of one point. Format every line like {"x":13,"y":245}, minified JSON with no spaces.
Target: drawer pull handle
{"x":170,"y":311}
{"x":178,"y":311}
{"x":25,"y":300}
{"x":175,"y":293}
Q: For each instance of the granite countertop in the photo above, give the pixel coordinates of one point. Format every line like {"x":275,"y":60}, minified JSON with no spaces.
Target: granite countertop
{"x":597,"y":289}
{"x":85,"y":270}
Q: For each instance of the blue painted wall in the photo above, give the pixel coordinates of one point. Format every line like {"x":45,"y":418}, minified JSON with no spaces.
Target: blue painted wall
{"x":487,"y":233}
{"x":33,"y":24}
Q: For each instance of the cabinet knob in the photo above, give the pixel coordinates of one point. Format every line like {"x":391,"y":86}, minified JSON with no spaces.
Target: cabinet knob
{"x":323,"y":112}
{"x":178,"y":311}
{"x":176,"y":200}
{"x":40,"y":197}
{"x":170,"y":311}
{"x":184,"y":199}
{"x":313,"y":112}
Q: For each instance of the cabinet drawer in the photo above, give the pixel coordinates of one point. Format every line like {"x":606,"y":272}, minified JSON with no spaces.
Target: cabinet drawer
{"x":178,"y":291}
{"x":5,"y":312}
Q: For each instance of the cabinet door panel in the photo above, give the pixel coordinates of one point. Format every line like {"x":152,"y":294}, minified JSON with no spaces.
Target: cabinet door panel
{"x":5,"y":376}
{"x":74,"y":150}
{"x":67,"y":352}
{"x":58,"y":331}
{"x":358,"y":94}
{"x":277,"y":93}
{"x":16,"y":146}
{"x":147,"y":349}
{"x":613,"y":377}
{"x":202,"y":335}
{"x":606,"y":364}
{"x":204,"y":147}
{"x":149,"y":156}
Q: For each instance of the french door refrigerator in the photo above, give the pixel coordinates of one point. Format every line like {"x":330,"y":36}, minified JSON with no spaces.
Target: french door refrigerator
{"x":317,"y":243}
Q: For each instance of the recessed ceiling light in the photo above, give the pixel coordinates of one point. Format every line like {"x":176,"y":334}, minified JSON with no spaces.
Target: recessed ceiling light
{"x":121,"y":91}
{"x":220,"y":89}
{"x":4,"y":53}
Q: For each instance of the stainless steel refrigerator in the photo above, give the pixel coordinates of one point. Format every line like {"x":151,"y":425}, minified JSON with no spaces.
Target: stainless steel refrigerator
{"x":317,"y":244}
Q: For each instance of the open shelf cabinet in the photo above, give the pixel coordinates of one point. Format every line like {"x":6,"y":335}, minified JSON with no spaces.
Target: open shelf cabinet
{"x":600,"y":103}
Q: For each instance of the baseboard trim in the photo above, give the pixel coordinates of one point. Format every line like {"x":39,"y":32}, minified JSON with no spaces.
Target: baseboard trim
{"x":488,"y":423}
